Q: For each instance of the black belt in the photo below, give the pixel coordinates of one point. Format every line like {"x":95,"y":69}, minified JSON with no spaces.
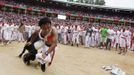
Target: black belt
{"x":48,"y":45}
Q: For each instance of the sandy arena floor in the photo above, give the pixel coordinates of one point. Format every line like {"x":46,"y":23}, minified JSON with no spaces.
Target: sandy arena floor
{"x":68,"y":61}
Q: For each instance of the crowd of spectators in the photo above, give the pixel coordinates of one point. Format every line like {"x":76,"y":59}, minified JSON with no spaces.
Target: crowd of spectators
{"x":91,"y":13}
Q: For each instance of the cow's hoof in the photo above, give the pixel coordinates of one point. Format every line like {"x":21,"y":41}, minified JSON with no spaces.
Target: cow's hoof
{"x":26,"y":60}
{"x":20,"y":56}
{"x":43,"y":67}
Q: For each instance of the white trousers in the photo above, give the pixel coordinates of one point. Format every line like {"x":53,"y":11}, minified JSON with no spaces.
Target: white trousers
{"x":129,"y":42}
{"x":75,"y":38}
{"x":97,"y":40}
{"x":87,"y":41}
{"x":122,"y":42}
{"x":39,"y":57}
{"x":92,"y":41}
{"x":20,"y":36}
{"x":65,"y":38}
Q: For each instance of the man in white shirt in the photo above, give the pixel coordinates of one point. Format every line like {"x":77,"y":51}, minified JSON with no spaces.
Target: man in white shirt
{"x":5,"y":32}
{"x":128,"y":37}
{"x":123,"y":42}
{"x":75,"y":37}
{"x":117,"y":38}
{"x":97,"y":37}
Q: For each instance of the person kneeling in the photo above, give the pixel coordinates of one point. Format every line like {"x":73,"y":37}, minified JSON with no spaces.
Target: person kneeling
{"x":48,"y":34}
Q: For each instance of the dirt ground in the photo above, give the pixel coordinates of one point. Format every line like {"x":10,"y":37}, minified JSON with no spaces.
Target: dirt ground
{"x":68,"y":61}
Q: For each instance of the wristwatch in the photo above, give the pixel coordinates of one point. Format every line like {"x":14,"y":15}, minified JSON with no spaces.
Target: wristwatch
{"x":46,"y":53}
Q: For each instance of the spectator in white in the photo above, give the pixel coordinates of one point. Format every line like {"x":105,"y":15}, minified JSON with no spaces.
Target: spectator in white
{"x":128,"y":38}
{"x":21,"y":30}
{"x":75,"y":38}
{"x":123,"y":42}
{"x":97,"y":37}
{"x":117,"y":38}
{"x":5,"y":32}
{"x":88,"y":36}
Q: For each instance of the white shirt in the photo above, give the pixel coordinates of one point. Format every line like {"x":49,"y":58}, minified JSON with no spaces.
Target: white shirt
{"x":110,"y":33}
{"x":127,"y":34}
